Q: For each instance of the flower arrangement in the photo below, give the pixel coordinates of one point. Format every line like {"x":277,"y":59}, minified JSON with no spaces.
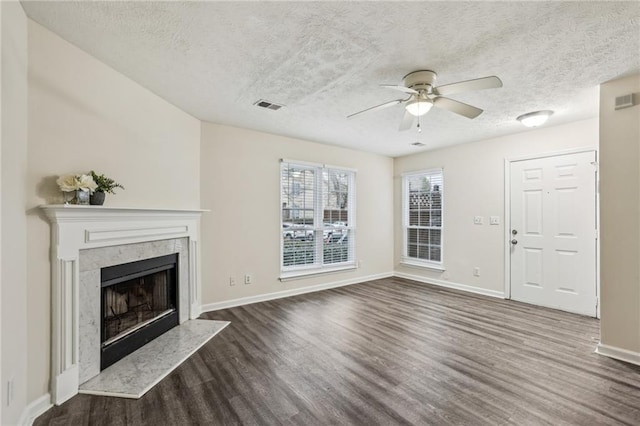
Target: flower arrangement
{"x":71,"y":183}
{"x":86,"y":188}
{"x":105,"y":184}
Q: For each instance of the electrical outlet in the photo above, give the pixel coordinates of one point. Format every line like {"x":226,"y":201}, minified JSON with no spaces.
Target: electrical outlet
{"x":476,"y":271}
{"x":478,"y":220}
{"x":247,"y":279}
{"x":494,"y":220}
{"x":232,"y":281}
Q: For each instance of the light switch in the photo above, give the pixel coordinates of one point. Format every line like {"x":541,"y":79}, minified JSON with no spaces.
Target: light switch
{"x":478,"y":220}
{"x":494,"y":220}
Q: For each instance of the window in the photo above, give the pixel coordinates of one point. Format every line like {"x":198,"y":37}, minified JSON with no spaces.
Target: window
{"x":318,"y":218}
{"x":422,"y":218}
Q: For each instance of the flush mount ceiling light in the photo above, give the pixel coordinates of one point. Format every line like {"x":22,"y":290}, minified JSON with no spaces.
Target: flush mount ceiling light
{"x":535,"y":119}
{"x":418,"y":107}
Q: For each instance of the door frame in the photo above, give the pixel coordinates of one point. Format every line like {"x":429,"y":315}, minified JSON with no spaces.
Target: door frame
{"x":507,"y":214}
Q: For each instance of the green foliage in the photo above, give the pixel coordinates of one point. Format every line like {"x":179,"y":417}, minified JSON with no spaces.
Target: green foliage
{"x":104,"y":183}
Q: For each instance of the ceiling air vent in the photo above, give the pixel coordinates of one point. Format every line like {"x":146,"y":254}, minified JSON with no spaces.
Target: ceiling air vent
{"x":418,"y":144}
{"x":625,"y":101}
{"x":268,"y":105}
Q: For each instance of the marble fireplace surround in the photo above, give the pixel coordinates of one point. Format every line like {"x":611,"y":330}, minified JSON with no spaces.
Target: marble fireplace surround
{"x":87,"y":238}
{"x":91,"y":262}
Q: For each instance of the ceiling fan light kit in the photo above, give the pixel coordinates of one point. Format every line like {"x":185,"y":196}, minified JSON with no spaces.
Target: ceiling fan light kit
{"x":418,"y":107}
{"x":423,"y":95}
{"x":535,"y":119}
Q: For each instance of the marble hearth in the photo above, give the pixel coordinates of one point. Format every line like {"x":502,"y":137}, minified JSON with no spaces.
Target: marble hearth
{"x":85,"y":239}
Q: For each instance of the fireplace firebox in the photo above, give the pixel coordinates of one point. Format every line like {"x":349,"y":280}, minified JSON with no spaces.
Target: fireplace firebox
{"x":139,"y":303}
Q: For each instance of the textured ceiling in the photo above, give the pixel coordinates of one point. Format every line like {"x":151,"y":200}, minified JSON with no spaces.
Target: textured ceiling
{"x":325,"y":60}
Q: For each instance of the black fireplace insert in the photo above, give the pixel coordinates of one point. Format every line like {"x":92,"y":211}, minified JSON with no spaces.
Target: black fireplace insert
{"x":139,"y":303}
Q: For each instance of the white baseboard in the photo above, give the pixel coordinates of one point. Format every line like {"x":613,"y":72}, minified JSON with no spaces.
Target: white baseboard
{"x":287,"y":293}
{"x":449,"y":284}
{"x":35,"y":409}
{"x":293,"y":292}
{"x":618,"y":353}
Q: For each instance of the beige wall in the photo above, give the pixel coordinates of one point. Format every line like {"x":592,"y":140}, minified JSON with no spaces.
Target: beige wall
{"x":474,"y":186}
{"x":13,"y":26}
{"x":84,"y":115}
{"x":240,"y":184}
{"x":620,"y":216}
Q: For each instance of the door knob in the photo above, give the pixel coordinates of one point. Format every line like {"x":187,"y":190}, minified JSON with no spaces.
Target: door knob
{"x":514,"y":232}
{"x":514,"y":241}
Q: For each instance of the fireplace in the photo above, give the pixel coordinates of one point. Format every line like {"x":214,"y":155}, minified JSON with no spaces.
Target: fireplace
{"x":87,"y":239}
{"x":138,"y":304}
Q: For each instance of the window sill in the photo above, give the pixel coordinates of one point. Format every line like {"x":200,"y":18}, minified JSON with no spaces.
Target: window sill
{"x":306,"y":273}
{"x":423,"y":265}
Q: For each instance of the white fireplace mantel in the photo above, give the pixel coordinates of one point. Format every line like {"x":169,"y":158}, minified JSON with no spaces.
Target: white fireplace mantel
{"x":75,"y":228}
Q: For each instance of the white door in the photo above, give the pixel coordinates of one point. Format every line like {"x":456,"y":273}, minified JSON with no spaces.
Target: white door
{"x":553,"y":232}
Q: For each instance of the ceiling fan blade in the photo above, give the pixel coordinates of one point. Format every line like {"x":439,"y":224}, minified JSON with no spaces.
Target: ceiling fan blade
{"x":377,"y":107}
{"x":466,"y":86}
{"x":407,"y":120}
{"x":457,"y":107}
{"x":400,"y":88}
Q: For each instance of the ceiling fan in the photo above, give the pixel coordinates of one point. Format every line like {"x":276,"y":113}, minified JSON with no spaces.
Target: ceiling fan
{"x":423,"y":95}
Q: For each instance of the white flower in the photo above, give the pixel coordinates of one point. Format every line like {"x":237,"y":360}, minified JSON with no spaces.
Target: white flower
{"x":86,"y":183}
{"x":68,"y":183}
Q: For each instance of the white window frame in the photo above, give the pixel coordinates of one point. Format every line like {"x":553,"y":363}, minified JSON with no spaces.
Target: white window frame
{"x":298,"y":271}
{"x":413,"y":261}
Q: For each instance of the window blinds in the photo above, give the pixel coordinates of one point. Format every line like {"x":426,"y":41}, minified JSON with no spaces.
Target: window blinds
{"x":317,"y":215}
{"x":423,"y":192}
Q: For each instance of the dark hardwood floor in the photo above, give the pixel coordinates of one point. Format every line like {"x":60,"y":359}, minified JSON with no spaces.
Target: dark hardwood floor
{"x":384,"y":352}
